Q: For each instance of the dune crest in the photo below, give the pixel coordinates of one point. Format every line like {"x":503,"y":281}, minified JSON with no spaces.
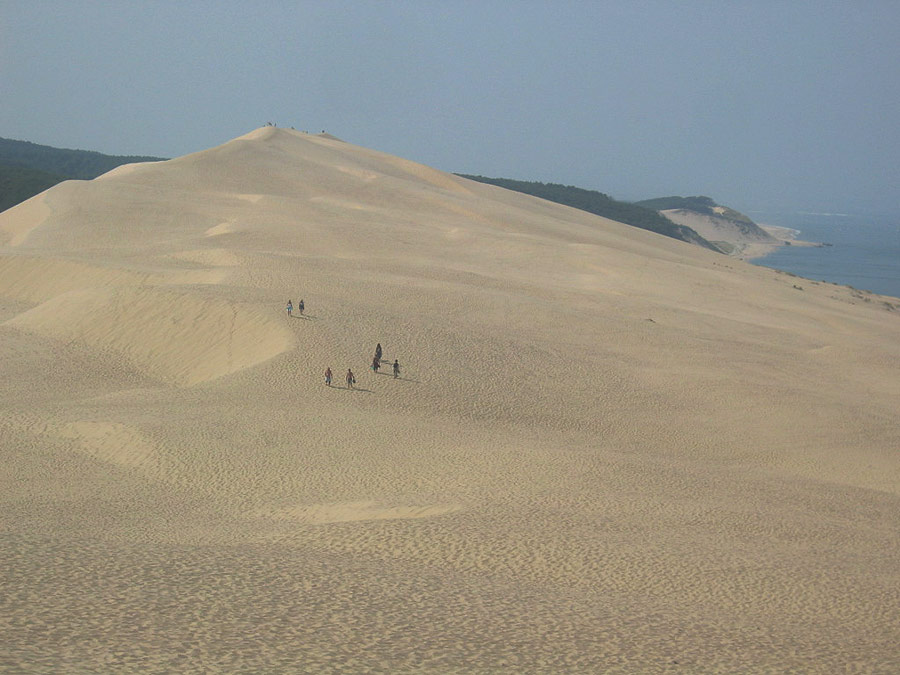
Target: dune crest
{"x":28,"y":215}
{"x":36,"y":279}
{"x":216,"y":257}
{"x":349,"y":512}
{"x":181,"y":338}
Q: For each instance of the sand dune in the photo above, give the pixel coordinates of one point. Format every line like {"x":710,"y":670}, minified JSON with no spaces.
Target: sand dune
{"x":607,"y":450}
{"x":732,"y":236}
{"x":14,"y":228}
{"x":183,"y":338}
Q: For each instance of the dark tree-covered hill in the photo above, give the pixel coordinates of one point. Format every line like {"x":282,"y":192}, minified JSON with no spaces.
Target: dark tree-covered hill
{"x":19,"y":183}
{"x":699,"y":204}
{"x":27,"y":169}
{"x":601,"y":205}
{"x":80,"y":164}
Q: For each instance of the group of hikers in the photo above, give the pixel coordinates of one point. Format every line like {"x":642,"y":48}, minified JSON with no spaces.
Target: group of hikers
{"x":351,"y":378}
{"x":376,"y":364}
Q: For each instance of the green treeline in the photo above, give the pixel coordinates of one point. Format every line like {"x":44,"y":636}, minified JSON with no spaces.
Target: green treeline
{"x":19,"y":183}
{"x":27,"y":169}
{"x":698,"y":204}
{"x":80,"y":164}
{"x":601,"y":205}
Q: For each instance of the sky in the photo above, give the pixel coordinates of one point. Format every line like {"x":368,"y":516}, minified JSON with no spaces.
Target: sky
{"x":758,"y":104}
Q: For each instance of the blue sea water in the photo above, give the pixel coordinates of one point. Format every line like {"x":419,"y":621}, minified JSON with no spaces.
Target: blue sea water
{"x":864,"y":251}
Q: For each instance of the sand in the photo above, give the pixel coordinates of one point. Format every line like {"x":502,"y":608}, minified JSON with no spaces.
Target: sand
{"x":733,"y":238}
{"x":608,"y":451}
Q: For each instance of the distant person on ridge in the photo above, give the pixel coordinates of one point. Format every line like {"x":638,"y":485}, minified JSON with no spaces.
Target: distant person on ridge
{"x":290,"y":308}
{"x":396,"y":368}
{"x":328,"y":376}
{"x":301,"y":306}
{"x":350,"y":379}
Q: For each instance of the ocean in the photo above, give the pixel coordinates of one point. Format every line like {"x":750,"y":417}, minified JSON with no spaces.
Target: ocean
{"x":864,"y":251}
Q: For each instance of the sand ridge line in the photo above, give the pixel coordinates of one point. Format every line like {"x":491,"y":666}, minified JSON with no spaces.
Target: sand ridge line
{"x":210,"y":257}
{"x":29,"y":215}
{"x":111,"y":442}
{"x":346,"y":512}
{"x":183,"y":338}
{"x":37,"y":279}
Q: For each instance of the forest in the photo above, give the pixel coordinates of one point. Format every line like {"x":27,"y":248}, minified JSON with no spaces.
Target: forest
{"x":27,"y":169}
{"x":600,"y":204}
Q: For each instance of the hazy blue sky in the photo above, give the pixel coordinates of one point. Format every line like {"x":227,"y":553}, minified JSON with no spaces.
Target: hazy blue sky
{"x":756,"y":104}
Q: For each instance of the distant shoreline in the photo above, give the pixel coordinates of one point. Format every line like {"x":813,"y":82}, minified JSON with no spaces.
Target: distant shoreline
{"x":786,"y":236}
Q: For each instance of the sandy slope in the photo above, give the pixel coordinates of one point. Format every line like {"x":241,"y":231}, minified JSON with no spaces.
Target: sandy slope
{"x":738,"y":239}
{"x":608,"y":451}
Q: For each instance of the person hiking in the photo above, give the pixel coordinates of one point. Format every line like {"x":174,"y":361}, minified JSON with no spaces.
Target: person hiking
{"x":376,"y":364}
{"x":378,"y":351}
{"x":350,"y":379}
{"x":396,"y":368}
{"x":301,"y":306}
{"x":290,"y":307}
{"x":328,"y":376}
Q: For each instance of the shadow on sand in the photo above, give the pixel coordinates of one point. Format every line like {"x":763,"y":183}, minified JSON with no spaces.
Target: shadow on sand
{"x":390,"y":375}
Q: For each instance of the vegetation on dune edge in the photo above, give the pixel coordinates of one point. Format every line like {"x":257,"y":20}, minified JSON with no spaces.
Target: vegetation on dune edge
{"x":27,"y":169}
{"x":601,"y":205}
{"x":78,"y":164}
{"x":19,"y":183}
{"x":700,"y":204}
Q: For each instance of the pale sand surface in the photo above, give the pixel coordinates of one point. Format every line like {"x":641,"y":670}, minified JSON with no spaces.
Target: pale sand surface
{"x":784,"y":235}
{"x":739,"y":244}
{"x":608,"y":452}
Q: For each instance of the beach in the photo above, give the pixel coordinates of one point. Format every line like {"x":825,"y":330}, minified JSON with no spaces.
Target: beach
{"x":607,"y":450}
{"x":785,"y":236}
{"x":741,"y":239}
{"x":859,"y":250}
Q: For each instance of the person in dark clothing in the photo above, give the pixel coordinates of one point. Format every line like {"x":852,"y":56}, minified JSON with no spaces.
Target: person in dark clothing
{"x":396,"y":368}
{"x":350,"y":379}
{"x":378,"y":351}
